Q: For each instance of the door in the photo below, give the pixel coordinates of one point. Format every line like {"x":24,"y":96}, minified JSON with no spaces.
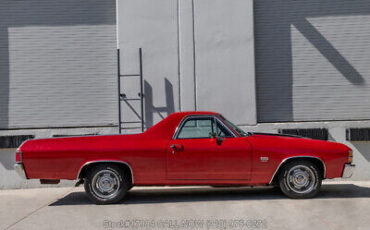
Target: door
{"x":206,"y":149}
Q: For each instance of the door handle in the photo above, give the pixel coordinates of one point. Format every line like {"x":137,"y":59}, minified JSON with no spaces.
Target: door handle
{"x":176,"y":147}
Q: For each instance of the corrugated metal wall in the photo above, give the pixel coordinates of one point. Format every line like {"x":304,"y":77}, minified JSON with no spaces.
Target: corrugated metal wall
{"x":312,"y":60}
{"x":57,"y":63}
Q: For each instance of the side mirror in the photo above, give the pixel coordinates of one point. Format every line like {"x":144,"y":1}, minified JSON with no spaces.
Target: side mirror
{"x":219,"y":140}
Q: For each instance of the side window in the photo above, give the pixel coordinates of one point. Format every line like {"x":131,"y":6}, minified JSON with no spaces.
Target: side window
{"x":197,"y":128}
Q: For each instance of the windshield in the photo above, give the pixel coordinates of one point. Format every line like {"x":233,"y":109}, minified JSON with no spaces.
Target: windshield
{"x":236,"y":128}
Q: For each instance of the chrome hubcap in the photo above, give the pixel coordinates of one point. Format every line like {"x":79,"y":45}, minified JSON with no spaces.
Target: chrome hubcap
{"x":301,"y":179}
{"x":105,"y":184}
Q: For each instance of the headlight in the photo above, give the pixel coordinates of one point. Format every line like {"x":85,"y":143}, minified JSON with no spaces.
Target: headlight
{"x":350,"y":156}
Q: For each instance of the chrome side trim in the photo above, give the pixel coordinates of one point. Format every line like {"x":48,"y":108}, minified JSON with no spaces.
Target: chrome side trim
{"x":18,"y":167}
{"x":348,"y":170}
{"x":282,"y":162}
{"x":106,"y":161}
{"x":179,"y":127}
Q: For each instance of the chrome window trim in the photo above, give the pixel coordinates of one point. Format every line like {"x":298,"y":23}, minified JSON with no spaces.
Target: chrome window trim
{"x":105,"y":161}
{"x":282,"y":162}
{"x":179,"y":127}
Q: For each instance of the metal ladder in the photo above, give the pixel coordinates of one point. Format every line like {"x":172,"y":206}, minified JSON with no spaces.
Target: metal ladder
{"x":122,"y":96}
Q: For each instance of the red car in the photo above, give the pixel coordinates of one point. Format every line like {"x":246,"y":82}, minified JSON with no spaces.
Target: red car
{"x":186,"y":148}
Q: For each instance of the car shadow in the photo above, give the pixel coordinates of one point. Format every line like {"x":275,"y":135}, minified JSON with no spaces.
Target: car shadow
{"x":175,"y":195}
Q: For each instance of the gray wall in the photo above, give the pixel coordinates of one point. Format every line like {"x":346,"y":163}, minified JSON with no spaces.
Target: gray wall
{"x":190,"y":48}
{"x":57,"y":63}
{"x":312,"y":60}
{"x":224,"y":54}
{"x":153,"y":27}
{"x":58,"y":60}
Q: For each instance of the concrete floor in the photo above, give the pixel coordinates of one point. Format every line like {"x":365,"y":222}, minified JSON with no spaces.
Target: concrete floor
{"x":340,"y":205}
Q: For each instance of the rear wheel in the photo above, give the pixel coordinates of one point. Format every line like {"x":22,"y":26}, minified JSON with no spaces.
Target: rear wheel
{"x":105,"y":184}
{"x":300,"y":179}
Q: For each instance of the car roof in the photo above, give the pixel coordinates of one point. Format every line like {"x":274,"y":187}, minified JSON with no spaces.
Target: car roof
{"x":181,"y":115}
{"x":186,"y":113}
{"x":167,"y":126}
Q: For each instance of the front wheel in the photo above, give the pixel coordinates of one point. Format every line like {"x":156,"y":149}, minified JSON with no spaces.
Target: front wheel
{"x":300,"y":179}
{"x":105,"y":184}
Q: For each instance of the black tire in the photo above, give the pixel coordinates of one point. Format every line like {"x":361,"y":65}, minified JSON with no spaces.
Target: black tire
{"x":106,"y":184}
{"x":300,"y":179}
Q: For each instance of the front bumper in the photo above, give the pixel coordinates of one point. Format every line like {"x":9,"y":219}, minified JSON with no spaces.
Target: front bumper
{"x":348,"y":170}
{"x":18,"y":167}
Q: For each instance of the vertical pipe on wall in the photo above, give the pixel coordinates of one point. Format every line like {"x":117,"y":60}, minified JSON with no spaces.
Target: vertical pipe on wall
{"x":119,"y":90}
{"x":117,"y":22}
{"x":141,"y":89}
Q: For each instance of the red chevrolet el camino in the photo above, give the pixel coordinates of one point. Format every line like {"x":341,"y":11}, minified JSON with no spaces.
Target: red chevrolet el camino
{"x":186,"y":148}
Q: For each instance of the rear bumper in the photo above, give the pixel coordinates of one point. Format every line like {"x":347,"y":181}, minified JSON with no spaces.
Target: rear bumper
{"x":348,"y":170}
{"x":18,"y":167}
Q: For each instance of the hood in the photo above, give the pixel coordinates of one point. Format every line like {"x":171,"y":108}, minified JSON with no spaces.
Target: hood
{"x":293,"y":144}
{"x":278,"y":134}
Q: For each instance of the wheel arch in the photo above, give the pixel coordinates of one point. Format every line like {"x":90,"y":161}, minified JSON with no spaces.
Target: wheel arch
{"x":90,"y":164}
{"x":316,"y":160}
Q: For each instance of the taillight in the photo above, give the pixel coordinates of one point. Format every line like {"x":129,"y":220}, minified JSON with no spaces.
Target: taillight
{"x":18,"y":156}
{"x":350,"y":156}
